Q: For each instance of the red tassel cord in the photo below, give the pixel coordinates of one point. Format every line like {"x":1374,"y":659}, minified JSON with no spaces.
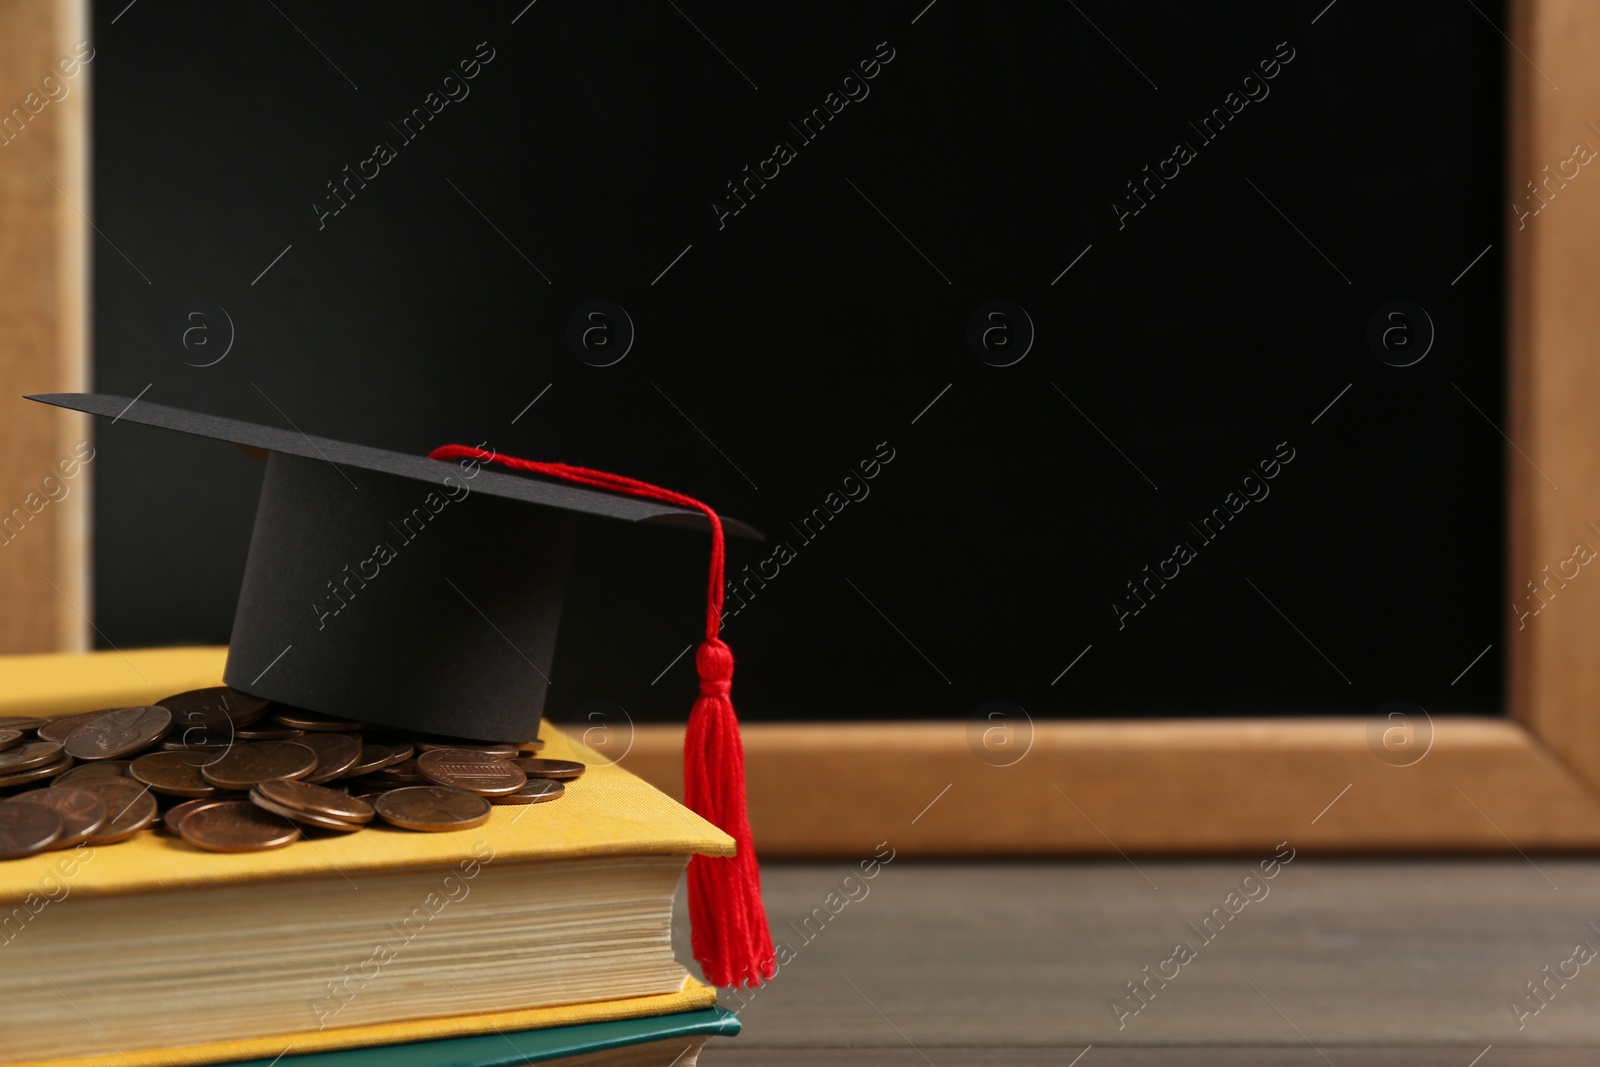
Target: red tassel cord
{"x":728,"y":922}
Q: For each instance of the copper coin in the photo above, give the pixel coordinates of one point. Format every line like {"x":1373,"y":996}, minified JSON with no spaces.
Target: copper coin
{"x":505,"y":750}
{"x":109,"y":768}
{"x":174,"y":773}
{"x":537,"y":791}
{"x":26,"y":828}
{"x":316,"y":800}
{"x":560,"y":769}
{"x":242,"y":766}
{"x":376,"y":757}
{"x":21,"y":722}
{"x":115,"y":734}
{"x":206,"y":735}
{"x":433,"y":808}
{"x":36,"y":774}
{"x":475,"y":772}
{"x":10,"y":739}
{"x":403,"y":773}
{"x":219,"y":706}
{"x":178,"y":812}
{"x":267,"y":732}
{"x":82,"y":811}
{"x":531,"y":746}
{"x":301,"y":719}
{"x":198,"y":743}
{"x":303,"y":818}
{"x":30,"y":754}
{"x":58,"y":730}
{"x":336,"y":753}
{"x":235,"y":826}
{"x":194,"y":739}
{"x":202,"y":734}
{"x":129,"y":807}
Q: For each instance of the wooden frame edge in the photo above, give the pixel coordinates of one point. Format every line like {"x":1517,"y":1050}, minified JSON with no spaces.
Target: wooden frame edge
{"x":1138,"y":788}
{"x":44,"y":287}
{"x":1553,"y":376}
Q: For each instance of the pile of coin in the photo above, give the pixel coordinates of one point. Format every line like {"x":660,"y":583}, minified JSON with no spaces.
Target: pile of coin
{"x":229,"y":772}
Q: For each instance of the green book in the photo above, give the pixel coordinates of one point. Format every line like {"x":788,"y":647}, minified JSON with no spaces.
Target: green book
{"x":656,"y":1041}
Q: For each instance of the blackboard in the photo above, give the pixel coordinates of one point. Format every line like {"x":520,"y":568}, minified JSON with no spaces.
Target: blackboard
{"x":1171,"y":334}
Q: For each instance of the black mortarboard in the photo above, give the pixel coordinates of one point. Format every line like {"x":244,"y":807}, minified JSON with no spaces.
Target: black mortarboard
{"x":396,"y":589}
{"x":409,"y":592}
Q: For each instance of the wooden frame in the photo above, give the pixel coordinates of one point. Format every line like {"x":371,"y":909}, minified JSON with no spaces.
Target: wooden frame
{"x":44,"y":286}
{"x":1106,"y":788}
{"x":1531,"y":782}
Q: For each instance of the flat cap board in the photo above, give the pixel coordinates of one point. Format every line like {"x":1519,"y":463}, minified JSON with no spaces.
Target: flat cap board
{"x":362,"y":457}
{"x":381,"y":587}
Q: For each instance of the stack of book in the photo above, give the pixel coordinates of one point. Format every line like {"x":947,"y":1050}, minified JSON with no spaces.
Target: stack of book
{"x":541,"y":936}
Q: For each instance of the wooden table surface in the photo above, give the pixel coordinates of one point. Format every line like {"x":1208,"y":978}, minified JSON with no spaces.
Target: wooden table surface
{"x":1343,"y":962}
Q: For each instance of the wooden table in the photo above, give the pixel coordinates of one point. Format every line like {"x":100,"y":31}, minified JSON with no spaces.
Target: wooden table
{"x":1340,"y":962}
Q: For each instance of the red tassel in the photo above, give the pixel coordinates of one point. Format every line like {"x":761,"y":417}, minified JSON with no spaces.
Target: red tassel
{"x":728,"y":923}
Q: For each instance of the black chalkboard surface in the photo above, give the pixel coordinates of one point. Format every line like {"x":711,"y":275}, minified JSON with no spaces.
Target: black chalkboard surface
{"x":1110,"y":359}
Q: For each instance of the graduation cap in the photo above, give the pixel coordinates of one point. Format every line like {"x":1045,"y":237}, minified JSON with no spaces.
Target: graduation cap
{"x":424,"y":593}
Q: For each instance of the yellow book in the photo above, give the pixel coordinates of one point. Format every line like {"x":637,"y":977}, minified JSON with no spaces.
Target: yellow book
{"x":151,"y":952}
